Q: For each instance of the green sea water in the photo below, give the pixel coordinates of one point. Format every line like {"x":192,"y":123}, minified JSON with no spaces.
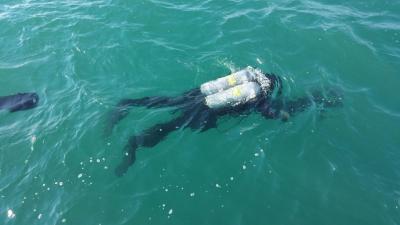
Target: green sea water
{"x":82,"y":57}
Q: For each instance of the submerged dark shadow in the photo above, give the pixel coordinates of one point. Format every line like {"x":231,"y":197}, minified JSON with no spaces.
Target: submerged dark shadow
{"x":18,"y":102}
{"x":196,"y":115}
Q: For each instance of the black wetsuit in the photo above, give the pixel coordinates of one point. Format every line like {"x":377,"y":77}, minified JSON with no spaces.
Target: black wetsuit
{"x":195,"y":114}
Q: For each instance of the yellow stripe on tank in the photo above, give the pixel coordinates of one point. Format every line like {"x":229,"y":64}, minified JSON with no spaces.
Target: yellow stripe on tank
{"x":231,"y":80}
{"x":236,"y":91}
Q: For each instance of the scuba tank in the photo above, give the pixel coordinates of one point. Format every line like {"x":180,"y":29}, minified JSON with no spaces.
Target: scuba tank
{"x":237,"y":88}
{"x":226,"y":82}
{"x":234,"y":96}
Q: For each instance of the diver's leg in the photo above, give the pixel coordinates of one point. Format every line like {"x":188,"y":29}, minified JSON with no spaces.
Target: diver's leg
{"x":152,"y":102}
{"x":122,"y":108}
{"x":159,"y":101}
{"x":148,"y":138}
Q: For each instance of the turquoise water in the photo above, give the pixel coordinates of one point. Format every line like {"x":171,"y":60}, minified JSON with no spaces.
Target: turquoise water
{"x":81,"y":57}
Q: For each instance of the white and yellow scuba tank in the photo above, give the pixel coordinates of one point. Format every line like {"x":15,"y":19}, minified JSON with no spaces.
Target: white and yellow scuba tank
{"x":226,"y":82}
{"x":234,"y":96}
{"x":234,"y":89}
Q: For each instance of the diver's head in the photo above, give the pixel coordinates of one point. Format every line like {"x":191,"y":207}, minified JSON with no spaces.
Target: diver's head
{"x":275,"y":84}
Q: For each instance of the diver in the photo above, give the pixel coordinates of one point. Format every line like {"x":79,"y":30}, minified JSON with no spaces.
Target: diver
{"x":245,"y":91}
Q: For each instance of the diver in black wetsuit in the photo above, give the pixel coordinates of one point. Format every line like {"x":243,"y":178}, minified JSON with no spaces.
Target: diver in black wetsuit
{"x":198,"y":111}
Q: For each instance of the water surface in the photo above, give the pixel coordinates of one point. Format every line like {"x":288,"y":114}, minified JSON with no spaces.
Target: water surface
{"x":81,"y":57}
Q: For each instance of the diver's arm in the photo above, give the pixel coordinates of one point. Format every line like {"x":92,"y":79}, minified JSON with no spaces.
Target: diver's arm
{"x":284,"y":109}
{"x":209,"y":123}
{"x":268,"y":108}
{"x":269,"y":113}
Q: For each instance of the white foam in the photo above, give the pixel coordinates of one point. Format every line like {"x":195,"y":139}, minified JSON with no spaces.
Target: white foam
{"x":33,"y":139}
{"x":10,"y":214}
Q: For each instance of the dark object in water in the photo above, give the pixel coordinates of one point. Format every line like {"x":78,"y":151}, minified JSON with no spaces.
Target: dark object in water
{"x":20,"y":101}
{"x":195,"y":114}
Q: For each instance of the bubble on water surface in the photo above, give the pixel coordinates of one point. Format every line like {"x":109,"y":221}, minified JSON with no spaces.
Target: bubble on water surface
{"x":10,"y":213}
